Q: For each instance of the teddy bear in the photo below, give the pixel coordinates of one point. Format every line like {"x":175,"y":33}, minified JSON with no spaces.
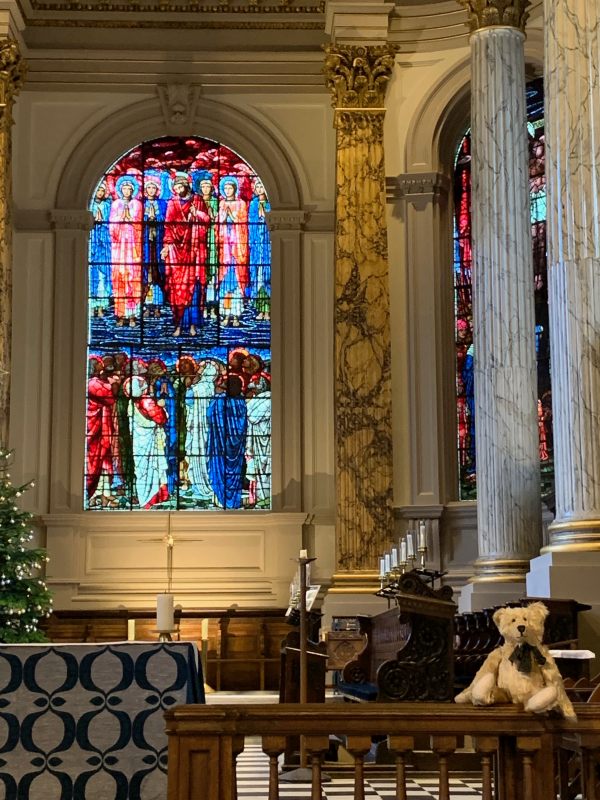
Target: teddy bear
{"x":521,"y":670}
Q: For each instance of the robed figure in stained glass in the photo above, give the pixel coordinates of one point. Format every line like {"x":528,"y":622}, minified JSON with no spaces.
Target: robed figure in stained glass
{"x":203,"y":183}
{"x":260,"y":250}
{"x":153,"y":269}
{"x":228,"y":424}
{"x":164,"y":392}
{"x":101,"y":397}
{"x":126,"y":250}
{"x":234,"y":276}
{"x":148,"y":418}
{"x":200,"y":392}
{"x":184,"y":254}
{"x":100,"y":253}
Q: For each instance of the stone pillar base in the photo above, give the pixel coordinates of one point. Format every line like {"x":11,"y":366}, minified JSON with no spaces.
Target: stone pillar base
{"x":571,"y":575}
{"x":486,"y":594}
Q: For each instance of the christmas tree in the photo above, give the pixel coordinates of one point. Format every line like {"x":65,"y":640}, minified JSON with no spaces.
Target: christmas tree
{"x":24,"y":597}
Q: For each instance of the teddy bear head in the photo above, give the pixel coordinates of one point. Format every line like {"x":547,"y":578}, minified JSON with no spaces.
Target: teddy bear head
{"x":522,"y":624}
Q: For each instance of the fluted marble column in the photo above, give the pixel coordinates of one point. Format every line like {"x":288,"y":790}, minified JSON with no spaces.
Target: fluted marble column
{"x":12,"y":70}
{"x":570,"y":566}
{"x":508,"y":488}
{"x":357,"y":77}
{"x":573,"y":175}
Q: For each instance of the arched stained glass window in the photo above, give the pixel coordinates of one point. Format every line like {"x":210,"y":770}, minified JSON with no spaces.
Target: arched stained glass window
{"x":463,"y":299}
{"x":179,"y":308}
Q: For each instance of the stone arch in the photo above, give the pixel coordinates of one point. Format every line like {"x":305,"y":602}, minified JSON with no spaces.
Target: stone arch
{"x":125,"y":129}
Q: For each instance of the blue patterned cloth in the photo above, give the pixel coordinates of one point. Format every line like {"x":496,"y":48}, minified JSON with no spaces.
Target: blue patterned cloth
{"x":85,"y":722}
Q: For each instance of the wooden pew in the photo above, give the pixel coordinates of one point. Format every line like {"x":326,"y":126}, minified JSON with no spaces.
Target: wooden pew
{"x":408,"y":654}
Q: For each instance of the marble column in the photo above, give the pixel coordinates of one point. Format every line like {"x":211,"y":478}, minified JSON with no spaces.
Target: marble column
{"x":358,"y":77}
{"x":12,"y":70}
{"x":508,"y":484}
{"x":569,"y":567}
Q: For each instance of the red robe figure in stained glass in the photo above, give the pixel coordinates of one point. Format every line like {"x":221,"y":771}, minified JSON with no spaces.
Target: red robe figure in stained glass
{"x":126,"y":251}
{"x":102,"y":395}
{"x":184,"y":254}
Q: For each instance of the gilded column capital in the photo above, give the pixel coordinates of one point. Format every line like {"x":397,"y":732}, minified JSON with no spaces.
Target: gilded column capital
{"x":357,"y":76}
{"x":489,"y":13}
{"x":12,"y":73}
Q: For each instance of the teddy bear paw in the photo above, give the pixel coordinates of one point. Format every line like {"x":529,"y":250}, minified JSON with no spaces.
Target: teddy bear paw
{"x":543,"y":700}
{"x":483,"y":691}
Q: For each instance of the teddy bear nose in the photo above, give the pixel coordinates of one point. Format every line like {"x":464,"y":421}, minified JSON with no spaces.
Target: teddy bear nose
{"x":521,"y":628}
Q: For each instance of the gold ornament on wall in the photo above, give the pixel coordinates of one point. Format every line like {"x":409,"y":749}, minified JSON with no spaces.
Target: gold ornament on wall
{"x":489,"y":13}
{"x":358,"y":76}
{"x":12,"y":73}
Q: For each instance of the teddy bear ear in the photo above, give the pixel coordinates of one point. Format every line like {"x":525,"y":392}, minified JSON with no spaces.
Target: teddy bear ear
{"x":539,"y":610}
{"x":498,"y":616}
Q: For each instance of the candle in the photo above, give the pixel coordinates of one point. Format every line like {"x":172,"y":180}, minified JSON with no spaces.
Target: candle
{"x":422,"y":536}
{"x":381,"y":567}
{"x":410,"y":546}
{"x":165,"y":619}
{"x":131,"y":630}
{"x":303,"y":553}
{"x":403,"y":552}
{"x":394,"y":560}
{"x":204,"y":633}
{"x":388,"y":567}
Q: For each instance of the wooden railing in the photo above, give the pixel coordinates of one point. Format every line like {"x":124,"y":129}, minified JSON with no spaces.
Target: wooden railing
{"x":519,"y":752}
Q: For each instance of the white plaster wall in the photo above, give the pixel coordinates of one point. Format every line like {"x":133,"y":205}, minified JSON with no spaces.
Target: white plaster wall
{"x":102,"y":560}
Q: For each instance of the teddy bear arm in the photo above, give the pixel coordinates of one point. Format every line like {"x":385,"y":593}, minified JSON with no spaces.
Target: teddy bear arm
{"x":553,"y":678}
{"x":481,"y":689}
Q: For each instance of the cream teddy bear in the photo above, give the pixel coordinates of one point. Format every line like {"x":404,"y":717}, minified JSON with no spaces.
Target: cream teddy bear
{"x":521,"y":670}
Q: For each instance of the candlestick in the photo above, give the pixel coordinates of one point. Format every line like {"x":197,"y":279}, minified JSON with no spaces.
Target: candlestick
{"x":170,"y":542}
{"x":165,"y":615}
{"x":422,"y":536}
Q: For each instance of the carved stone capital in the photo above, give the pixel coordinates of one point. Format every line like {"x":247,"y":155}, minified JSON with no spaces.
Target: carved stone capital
{"x":179,"y":102}
{"x":358,"y":76}
{"x":68,"y":219}
{"x":12,"y":73}
{"x":488,"y":13}
{"x":290,"y":220}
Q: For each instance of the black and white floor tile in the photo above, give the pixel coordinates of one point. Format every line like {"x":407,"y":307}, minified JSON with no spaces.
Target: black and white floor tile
{"x":253,"y":783}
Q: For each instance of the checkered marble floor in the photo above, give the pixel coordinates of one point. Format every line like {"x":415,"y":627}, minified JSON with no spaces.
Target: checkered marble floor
{"x":253,"y":782}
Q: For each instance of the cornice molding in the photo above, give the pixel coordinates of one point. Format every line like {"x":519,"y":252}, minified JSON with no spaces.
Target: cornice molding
{"x":286,"y":220}
{"x":75,"y":219}
{"x":418,"y":185}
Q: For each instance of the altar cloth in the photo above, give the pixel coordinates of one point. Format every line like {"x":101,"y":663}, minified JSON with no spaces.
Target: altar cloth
{"x":85,"y":721}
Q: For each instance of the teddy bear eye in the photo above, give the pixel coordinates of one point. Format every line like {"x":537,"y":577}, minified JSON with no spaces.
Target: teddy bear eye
{"x":514,"y":620}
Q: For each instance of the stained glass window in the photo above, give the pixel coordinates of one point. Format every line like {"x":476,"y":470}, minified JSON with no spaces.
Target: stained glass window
{"x":465,"y":408}
{"x":179,"y":333}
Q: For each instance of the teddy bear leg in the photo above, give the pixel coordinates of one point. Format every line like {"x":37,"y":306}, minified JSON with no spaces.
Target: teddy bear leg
{"x":483,"y":690}
{"x":543,"y":700}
